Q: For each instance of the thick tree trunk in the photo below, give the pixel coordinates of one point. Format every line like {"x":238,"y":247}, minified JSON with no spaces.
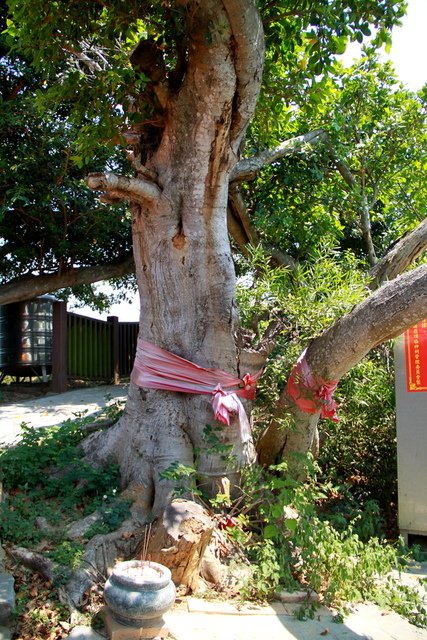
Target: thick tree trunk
{"x":182,"y":254}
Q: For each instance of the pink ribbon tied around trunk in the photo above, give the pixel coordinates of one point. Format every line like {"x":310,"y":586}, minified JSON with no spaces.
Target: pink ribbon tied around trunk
{"x":156,"y":368}
{"x":310,"y":392}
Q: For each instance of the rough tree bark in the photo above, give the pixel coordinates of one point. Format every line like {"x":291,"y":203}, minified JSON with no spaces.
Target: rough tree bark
{"x":179,"y":540}
{"x":400,"y":256}
{"x":184,"y":268}
{"x":383,"y":315}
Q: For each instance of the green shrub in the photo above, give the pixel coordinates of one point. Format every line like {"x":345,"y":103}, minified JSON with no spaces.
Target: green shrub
{"x":45,"y":475}
{"x":358,"y":454}
{"x":298,"y":544}
{"x":68,"y":553}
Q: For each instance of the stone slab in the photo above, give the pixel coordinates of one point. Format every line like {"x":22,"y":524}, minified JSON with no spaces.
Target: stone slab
{"x":117,"y":631}
{"x":85,"y":633}
{"x":7,"y":597}
{"x":298,"y":596}
{"x":197,"y":605}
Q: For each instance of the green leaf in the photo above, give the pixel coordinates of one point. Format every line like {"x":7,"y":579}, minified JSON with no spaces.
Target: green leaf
{"x":270,"y":531}
{"x":291,"y":524}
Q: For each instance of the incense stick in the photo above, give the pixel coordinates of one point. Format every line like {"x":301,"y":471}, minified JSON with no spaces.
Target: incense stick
{"x":145,"y":543}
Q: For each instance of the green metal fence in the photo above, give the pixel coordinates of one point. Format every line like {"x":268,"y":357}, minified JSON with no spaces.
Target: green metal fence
{"x":64,"y":344}
{"x":99,"y":349}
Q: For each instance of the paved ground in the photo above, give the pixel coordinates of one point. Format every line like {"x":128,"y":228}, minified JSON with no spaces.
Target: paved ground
{"x":55,"y":409}
{"x":216,"y":621}
{"x":197,"y":619}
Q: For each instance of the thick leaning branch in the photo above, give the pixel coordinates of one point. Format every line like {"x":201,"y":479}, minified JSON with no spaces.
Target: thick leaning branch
{"x":385,"y":314}
{"x":124,"y":188}
{"x":28,"y":287}
{"x":400,"y":256}
{"x":248,"y":168}
{"x":239,"y":224}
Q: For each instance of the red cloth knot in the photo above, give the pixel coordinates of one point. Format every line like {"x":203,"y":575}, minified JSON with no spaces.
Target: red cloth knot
{"x":249,"y":386}
{"x":224,"y":404}
{"x":156,"y":368}
{"x":310,"y":392}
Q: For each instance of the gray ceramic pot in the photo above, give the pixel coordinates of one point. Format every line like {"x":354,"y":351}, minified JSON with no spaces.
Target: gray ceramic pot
{"x":139,"y":593}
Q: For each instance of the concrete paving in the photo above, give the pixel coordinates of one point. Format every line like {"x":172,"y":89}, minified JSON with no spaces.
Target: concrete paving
{"x":54,"y":409}
{"x":197,"y":619}
{"x":367,"y":622}
{"x":200,"y":619}
{"x":194,"y":618}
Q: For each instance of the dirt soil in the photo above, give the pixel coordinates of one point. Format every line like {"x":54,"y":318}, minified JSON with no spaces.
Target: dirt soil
{"x":17,"y":392}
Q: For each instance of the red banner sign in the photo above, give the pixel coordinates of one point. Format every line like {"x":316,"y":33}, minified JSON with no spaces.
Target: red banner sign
{"x":416,"y":357}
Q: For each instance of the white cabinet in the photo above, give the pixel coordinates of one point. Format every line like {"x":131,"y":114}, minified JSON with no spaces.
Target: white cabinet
{"x":411,"y":417}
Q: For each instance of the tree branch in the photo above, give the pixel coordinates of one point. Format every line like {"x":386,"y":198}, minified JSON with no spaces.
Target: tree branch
{"x":385,"y":314}
{"x":342,"y":168}
{"x":249,"y":48}
{"x":92,"y":65}
{"x":238,"y":219}
{"x":248,"y":168}
{"x":365,"y":225}
{"x":243,"y":232}
{"x":124,"y":188}
{"x":136,"y":163}
{"x":364,"y":209}
{"x":400,"y":256}
{"x":28,"y":287}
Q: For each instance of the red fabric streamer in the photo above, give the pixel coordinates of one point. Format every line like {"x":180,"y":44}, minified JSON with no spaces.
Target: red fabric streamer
{"x":156,"y":368}
{"x":310,"y":392}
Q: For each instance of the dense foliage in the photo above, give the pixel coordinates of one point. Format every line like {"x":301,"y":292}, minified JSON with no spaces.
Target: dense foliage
{"x":375,"y":130}
{"x":72,"y":95}
{"x":84,"y":40}
{"x":50,"y":222}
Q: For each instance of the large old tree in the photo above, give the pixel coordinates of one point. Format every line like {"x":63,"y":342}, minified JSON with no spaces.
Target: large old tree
{"x":176,"y":84}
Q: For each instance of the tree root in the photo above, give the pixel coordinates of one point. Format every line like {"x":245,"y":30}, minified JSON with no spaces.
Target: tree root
{"x":179,"y":540}
{"x":101,"y":553}
{"x":35,"y":561}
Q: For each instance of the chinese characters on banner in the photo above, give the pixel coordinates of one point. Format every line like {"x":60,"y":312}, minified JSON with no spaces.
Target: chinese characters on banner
{"x":416,"y":357}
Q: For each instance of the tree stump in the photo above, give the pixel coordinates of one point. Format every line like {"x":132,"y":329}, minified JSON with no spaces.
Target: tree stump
{"x":179,"y":539}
